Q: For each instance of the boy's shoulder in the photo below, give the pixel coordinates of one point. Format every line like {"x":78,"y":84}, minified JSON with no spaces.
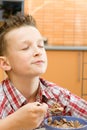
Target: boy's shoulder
{"x":54,"y":87}
{"x":49,"y":84}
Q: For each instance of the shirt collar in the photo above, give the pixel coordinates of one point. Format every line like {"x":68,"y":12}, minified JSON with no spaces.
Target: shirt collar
{"x":44,"y":92}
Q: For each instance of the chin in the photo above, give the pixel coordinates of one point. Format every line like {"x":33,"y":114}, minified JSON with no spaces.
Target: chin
{"x":40,"y":72}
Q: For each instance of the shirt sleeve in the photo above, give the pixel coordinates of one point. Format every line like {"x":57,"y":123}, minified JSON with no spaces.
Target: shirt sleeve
{"x":76,"y":105}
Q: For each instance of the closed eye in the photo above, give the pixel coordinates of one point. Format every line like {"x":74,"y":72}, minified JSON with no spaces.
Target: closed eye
{"x":41,"y":46}
{"x":40,"y":43}
{"x":25,"y":48}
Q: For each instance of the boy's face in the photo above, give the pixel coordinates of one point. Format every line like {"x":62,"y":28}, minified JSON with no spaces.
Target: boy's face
{"x":25,"y":52}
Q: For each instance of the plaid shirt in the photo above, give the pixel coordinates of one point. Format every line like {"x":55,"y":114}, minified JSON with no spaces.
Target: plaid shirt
{"x":11,"y":99}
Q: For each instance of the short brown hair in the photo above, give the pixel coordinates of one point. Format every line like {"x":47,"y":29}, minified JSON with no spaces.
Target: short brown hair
{"x":12,"y":23}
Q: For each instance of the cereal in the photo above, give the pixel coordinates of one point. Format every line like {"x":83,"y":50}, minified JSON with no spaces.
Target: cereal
{"x":63,"y":123}
{"x":56,"y":108}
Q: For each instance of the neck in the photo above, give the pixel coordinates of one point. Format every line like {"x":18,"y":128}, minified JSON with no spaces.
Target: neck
{"x":27,"y":86}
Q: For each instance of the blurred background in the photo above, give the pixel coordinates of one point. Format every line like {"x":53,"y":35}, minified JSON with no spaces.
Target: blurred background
{"x":63,"y":22}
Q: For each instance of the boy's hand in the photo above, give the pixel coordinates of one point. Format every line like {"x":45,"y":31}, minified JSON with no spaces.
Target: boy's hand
{"x":27,"y":117}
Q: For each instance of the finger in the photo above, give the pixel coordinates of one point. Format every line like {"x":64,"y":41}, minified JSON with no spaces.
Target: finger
{"x":38,"y":104}
{"x":43,"y":104}
{"x":42,"y":109}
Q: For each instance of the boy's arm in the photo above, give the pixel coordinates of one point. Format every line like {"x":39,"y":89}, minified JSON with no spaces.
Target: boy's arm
{"x":29,"y":117}
{"x":7,"y":124}
{"x":78,"y":106}
{"x":75,"y":105}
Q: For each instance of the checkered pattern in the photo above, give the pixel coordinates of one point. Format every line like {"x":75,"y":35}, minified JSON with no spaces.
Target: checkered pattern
{"x":11,"y":99}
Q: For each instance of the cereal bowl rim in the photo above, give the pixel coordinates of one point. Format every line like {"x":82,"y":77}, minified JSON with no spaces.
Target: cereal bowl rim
{"x":67,"y":118}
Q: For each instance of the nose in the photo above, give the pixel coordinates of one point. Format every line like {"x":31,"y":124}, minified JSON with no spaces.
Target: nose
{"x":37,"y":51}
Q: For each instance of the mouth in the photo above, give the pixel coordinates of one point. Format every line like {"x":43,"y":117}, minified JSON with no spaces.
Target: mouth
{"x":39,"y":62}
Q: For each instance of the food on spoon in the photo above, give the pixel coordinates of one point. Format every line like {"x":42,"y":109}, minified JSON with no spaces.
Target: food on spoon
{"x":56,"y":108}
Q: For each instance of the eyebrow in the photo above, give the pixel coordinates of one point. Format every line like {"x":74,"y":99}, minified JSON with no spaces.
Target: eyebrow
{"x":41,"y":39}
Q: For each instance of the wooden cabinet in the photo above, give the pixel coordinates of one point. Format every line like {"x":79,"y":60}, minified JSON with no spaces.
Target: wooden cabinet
{"x":85,"y":86}
{"x":84,"y":75}
{"x":65,"y":69}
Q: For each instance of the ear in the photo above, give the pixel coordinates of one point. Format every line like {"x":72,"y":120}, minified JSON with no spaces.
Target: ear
{"x":4,"y":63}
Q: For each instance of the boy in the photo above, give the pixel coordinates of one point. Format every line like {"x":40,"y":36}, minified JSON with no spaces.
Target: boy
{"x":24,"y":96}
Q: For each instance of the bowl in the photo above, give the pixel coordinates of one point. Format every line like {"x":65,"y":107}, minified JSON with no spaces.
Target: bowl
{"x":82,"y":122}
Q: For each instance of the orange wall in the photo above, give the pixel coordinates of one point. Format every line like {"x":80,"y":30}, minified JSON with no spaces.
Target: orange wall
{"x":65,"y":69}
{"x":63,"y":22}
{"x":1,"y":75}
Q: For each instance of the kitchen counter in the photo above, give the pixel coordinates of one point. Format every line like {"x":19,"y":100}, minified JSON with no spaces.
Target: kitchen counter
{"x":66,"y":48}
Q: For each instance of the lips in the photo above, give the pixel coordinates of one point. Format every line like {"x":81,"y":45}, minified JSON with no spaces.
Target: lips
{"x":39,"y":62}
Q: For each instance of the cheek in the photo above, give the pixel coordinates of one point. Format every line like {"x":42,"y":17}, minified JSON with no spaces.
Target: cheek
{"x":46,"y":60}
{"x":46,"y":64}
{"x":18,"y":61}
{"x":45,"y":55}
